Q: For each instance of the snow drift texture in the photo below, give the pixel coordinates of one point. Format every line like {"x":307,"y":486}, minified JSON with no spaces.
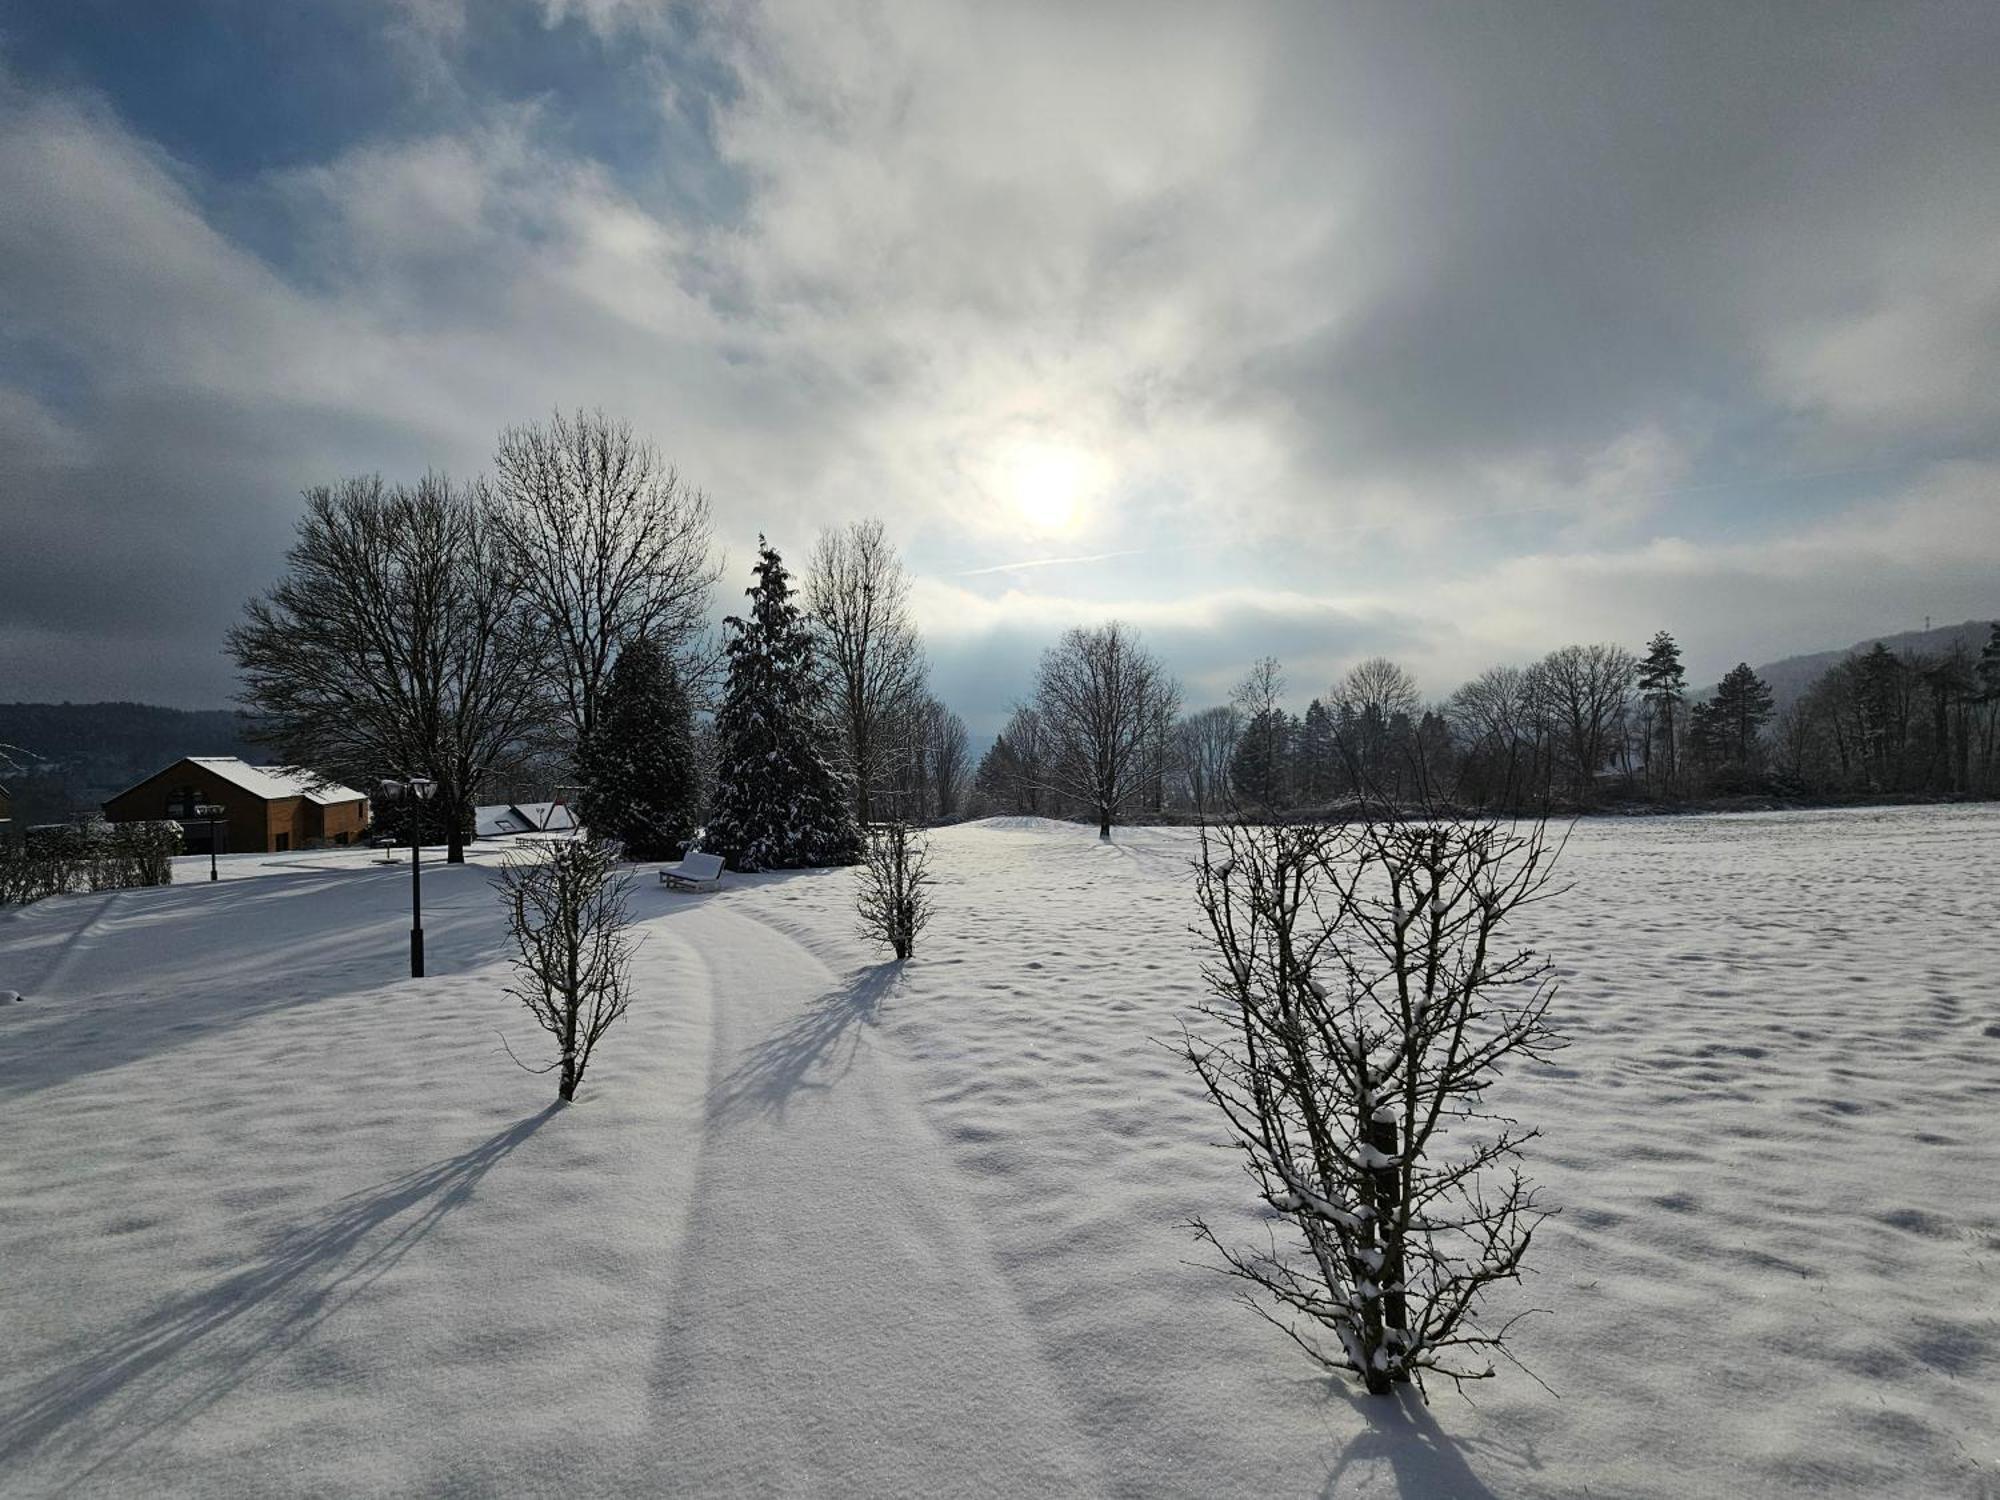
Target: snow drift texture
{"x":276,"y":1222}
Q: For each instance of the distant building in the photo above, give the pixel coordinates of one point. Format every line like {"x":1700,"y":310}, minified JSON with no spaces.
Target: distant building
{"x":266,"y":809}
{"x":501,"y":820}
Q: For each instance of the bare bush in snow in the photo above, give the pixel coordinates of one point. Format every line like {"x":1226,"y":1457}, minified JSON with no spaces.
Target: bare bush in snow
{"x":1364,"y":1003}
{"x":567,"y":915}
{"x":895,"y":878}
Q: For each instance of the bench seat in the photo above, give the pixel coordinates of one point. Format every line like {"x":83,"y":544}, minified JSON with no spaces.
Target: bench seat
{"x":695,"y":872}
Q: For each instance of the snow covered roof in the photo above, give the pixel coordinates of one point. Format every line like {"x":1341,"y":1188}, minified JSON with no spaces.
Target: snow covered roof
{"x":546,"y":815}
{"x":275,"y":782}
{"x":500,"y":819}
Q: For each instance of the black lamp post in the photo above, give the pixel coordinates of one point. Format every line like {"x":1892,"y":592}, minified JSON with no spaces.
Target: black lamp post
{"x":413,"y":794}
{"x":213,"y":811}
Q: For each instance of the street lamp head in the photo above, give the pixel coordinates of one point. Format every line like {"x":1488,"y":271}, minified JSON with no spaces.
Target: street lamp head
{"x":210,"y":810}
{"x":392,"y":791}
{"x":423,"y":788}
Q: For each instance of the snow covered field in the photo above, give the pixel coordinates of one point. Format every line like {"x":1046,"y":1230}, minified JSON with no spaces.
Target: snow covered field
{"x":274,"y":1221}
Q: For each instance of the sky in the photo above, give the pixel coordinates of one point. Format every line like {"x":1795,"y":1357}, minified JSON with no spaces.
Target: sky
{"x":1446,"y":332}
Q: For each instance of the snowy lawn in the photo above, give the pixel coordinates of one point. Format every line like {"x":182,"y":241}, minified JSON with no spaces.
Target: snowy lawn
{"x":274,"y":1221}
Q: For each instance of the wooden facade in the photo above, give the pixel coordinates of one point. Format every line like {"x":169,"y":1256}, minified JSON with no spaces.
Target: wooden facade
{"x":267,"y":809}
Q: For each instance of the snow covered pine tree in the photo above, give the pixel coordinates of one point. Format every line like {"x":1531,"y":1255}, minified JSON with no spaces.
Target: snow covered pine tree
{"x":638,"y":762}
{"x":779,"y":804}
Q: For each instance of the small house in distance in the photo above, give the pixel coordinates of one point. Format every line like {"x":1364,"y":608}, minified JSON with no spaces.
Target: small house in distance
{"x":266,"y":809}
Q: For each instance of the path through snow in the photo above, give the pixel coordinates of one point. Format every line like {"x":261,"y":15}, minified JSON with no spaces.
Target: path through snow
{"x":838,"y":1326}
{"x":274,"y":1221}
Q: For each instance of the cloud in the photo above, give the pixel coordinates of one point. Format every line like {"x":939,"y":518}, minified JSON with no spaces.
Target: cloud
{"x":1443,"y":332}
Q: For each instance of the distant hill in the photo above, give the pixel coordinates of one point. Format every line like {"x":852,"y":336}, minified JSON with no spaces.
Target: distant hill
{"x":84,"y":752}
{"x":1790,"y":677}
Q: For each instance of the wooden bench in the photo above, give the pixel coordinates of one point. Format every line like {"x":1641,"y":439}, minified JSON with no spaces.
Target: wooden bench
{"x":695,"y":872}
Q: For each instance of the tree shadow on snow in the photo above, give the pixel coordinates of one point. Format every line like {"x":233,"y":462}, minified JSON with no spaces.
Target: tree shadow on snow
{"x":193,"y":1350}
{"x":1403,"y":1434}
{"x":164,"y":966}
{"x":812,"y":1051}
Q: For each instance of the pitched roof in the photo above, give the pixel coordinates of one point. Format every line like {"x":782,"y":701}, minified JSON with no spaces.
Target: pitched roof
{"x":275,"y":782}
{"x":500,"y":818}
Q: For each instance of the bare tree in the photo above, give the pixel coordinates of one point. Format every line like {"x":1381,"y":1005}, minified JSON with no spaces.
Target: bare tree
{"x":608,"y":545}
{"x":859,"y":598}
{"x":947,"y":754}
{"x":1374,"y":707}
{"x":1378,"y":683}
{"x":1014,"y":771}
{"x":1588,"y":689}
{"x":397,"y":643}
{"x":1494,"y":717}
{"x":1365,"y":1004}
{"x":1262,"y":689}
{"x":1101,"y":695}
{"x":894,"y":900}
{"x":1206,"y":743}
{"x":566,"y":912}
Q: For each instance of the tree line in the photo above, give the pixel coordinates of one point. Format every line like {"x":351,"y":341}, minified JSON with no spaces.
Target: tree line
{"x":1583,"y":726}
{"x":547,"y":626}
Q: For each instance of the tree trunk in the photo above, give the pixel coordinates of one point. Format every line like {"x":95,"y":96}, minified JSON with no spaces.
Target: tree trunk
{"x":566,"y":1089}
{"x":451,"y":799}
{"x":1104,"y":822}
{"x":1389,"y":1213}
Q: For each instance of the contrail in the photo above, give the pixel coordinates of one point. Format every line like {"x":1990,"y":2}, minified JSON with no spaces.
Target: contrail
{"x":1052,"y":562}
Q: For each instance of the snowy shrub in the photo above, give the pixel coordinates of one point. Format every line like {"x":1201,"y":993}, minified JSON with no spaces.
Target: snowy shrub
{"x":567,"y":915}
{"x":92,"y":856}
{"x":143,"y":853}
{"x":895,"y":876}
{"x":24,"y":877}
{"x":1364,"y":1004}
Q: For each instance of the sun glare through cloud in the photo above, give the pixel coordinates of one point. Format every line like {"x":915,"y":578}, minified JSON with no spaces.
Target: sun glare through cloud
{"x":1050,"y":485}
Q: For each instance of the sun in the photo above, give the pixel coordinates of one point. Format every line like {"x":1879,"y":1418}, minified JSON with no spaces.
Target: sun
{"x":1048,"y":484}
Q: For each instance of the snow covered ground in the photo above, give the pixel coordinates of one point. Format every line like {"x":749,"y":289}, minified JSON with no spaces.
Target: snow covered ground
{"x":274,"y":1221}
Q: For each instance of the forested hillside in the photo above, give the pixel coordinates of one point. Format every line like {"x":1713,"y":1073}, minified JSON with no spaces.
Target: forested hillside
{"x":71,"y":756}
{"x":1789,"y":677}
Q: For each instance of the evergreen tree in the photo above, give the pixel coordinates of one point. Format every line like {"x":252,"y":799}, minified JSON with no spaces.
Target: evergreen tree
{"x":1704,"y":737}
{"x":1318,"y":759}
{"x":642,"y":781}
{"x":1257,"y":771}
{"x":1742,"y":706}
{"x":1662,"y":687}
{"x":779,"y":802}
{"x":1988,"y":669}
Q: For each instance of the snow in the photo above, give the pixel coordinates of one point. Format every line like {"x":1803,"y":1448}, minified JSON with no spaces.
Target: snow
{"x":275,"y":1221}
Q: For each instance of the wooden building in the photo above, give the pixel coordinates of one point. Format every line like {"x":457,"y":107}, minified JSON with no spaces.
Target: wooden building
{"x":266,"y":809}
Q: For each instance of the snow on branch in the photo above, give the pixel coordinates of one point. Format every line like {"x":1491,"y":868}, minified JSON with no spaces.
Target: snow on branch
{"x":1361,"y":1002}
